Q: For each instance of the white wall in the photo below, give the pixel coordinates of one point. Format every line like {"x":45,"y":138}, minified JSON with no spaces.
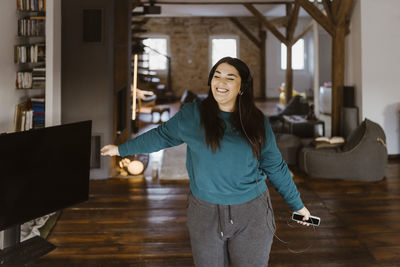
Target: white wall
{"x":353,"y":73}
{"x":8,"y":95}
{"x":302,"y":79}
{"x":87,"y":74}
{"x":377,"y":70}
{"x":53,"y":62}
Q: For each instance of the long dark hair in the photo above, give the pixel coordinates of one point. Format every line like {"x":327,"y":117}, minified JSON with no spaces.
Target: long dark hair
{"x":246,"y":115}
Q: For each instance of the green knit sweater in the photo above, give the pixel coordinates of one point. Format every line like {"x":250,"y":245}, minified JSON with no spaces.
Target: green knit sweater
{"x":227,"y":176}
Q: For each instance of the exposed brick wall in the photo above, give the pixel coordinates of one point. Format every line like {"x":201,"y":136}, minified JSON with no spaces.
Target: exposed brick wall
{"x":189,"y":48}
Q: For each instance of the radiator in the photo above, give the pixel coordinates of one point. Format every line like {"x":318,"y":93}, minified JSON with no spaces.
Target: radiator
{"x":95,"y":152}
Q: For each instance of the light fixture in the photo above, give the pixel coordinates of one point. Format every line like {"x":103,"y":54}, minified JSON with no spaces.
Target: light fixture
{"x":133,"y":165}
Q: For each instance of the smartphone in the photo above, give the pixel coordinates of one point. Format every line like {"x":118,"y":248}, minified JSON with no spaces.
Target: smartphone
{"x":313,"y":220}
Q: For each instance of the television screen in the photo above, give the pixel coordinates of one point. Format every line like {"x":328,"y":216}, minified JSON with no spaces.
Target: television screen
{"x":42,"y":171}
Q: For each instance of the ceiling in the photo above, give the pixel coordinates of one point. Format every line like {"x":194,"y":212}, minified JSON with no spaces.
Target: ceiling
{"x":219,"y":10}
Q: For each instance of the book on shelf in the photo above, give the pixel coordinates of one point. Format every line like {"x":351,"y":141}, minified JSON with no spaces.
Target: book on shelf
{"x":30,"y":80}
{"x":39,"y":69}
{"x":31,"y":5}
{"x":23,"y":80}
{"x":19,"y":118}
{"x":37,"y":105}
{"x":22,"y":126}
{"x":29,"y":120}
{"x":38,"y":85}
{"x":24,"y":118}
{"x":30,"y":53}
{"x":39,"y":72}
{"x":38,"y":99}
{"x":32,"y":26}
{"x":30,"y":114}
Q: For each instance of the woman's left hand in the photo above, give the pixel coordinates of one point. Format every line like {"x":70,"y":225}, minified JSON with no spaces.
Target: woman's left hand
{"x":306,"y":215}
{"x":110,"y":150}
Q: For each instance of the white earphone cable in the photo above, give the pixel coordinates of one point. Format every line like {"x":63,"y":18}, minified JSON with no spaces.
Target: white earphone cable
{"x":259,"y":190}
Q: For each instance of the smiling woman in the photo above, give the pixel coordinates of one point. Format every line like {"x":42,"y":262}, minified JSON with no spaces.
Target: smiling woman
{"x":230,"y":150}
{"x":225,"y":86}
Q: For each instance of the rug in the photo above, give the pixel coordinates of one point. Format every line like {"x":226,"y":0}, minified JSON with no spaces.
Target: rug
{"x":173,"y":165}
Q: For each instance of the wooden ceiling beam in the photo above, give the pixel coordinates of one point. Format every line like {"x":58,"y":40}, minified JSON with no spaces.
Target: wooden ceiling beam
{"x":289,"y":10}
{"x":317,"y":14}
{"x":246,"y":32}
{"x":335,"y":8}
{"x":293,"y":13}
{"x":292,"y":23}
{"x":328,"y":9}
{"x":303,"y":32}
{"x":280,"y":21}
{"x":343,"y":12}
{"x":266,"y":23}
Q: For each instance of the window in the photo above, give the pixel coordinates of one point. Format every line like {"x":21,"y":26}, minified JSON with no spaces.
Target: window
{"x":297,"y":55}
{"x":156,"y":48}
{"x":223,"y":47}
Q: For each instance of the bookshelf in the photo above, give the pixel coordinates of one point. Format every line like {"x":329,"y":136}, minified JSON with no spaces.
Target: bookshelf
{"x":30,"y":62}
{"x":30,"y":48}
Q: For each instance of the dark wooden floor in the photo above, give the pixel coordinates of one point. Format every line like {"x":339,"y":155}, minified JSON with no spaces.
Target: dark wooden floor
{"x":142,"y":222}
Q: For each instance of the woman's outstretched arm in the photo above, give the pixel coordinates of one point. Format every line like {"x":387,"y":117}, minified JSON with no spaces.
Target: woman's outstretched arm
{"x":164,"y":136}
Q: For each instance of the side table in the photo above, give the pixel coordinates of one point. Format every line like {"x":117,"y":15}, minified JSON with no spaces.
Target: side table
{"x":301,"y":127}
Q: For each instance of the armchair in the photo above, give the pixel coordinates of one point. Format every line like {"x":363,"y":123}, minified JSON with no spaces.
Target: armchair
{"x":363,"y":157}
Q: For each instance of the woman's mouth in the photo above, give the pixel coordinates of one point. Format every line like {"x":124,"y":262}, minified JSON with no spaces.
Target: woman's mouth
{"x":221,"y":90}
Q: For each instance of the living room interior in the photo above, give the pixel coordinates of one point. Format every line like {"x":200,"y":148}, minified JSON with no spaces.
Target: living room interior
{"x":139,"y":219}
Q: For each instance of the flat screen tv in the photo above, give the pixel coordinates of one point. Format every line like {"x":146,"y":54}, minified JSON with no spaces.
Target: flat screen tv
{"x":42,"y":171}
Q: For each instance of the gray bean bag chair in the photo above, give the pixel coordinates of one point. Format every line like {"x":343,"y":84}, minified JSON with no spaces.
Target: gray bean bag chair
{"x":363,"y":157}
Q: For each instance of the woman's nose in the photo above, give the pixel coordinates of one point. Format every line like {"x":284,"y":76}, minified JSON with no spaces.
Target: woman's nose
{"x":221,"y":82}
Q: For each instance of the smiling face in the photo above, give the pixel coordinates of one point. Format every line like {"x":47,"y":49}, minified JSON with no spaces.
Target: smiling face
{"x":225,"y":86}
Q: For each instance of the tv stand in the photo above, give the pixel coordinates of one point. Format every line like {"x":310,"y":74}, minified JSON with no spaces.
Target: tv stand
{"x":19,"y":253}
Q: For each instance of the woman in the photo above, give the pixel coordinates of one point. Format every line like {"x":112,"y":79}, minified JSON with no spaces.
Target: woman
{"x":230,"y":151}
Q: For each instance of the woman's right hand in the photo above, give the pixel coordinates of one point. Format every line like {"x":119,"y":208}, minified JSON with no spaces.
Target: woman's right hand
{"x":110,"y":150}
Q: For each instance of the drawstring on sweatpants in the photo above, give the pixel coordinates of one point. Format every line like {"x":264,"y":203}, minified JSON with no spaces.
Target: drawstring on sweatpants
{"x":220,"y":225}
{"x":219,"y":222}
{"x":230,"y":217}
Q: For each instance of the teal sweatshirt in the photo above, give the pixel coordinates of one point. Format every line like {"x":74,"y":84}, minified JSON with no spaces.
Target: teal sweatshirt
{"x":227,"y":176}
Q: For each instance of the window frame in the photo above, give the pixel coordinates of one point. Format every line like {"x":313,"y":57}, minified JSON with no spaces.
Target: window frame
{"x":159,"y":36}
{"x":221,"y":36}
{"x":304,"y":69}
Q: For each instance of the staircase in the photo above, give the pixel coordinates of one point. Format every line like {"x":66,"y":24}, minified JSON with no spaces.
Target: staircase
{"x":149,"y":79}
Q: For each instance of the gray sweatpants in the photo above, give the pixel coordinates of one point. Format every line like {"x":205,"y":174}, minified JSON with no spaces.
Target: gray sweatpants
{"x":237,"y":234}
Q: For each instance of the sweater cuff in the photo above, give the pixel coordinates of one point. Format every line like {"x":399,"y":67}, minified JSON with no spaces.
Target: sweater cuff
{"x":296,"y":204}
{"x":123,"y":151}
